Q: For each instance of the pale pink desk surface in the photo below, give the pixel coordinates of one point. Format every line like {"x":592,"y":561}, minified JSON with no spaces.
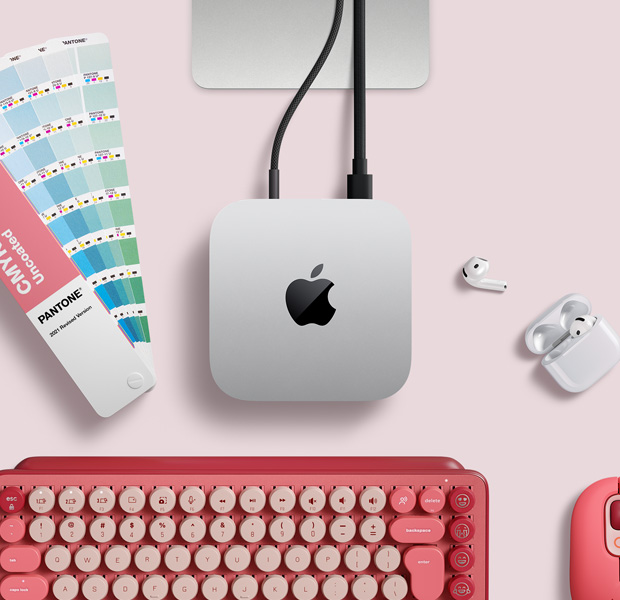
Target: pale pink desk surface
{"x":513,"y":150}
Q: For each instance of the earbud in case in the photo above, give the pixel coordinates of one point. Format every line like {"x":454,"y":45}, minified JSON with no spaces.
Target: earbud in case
{"x":577,"y":359}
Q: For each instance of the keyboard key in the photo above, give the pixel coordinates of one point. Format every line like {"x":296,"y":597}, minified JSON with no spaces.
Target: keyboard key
{"x":394,"y":587}
{"x":252,"y":500}
{"x":297,"y":559}
{"x":432,"y":500}
{"x":155,"y":587}
{"x":426,"y":565}
{"x":12,"y":499}
{"x":71,"y":500}
{"x":20,"y":559}
{"x":147,"y":559}
{"x":342,"y":500}
{"x":252,"y":530}
{"x":342,"y":529}
{"x":87,"y":559}
{"x":267,"y":559}
{"x":327,"y":559}
{"x":162,"y":500}
{"x":222,"y":529}
{"x":222,"y":500}
{"x":24,"y":587}
{"x":214,"y":587}
{"x":373,"y":529}
{"x":42,"y":529}
{"x":131,"y":500}
{"x":387,"y":559}
{"x":162,"y":529}
{"x":462,"y":588}
{"x":462,"y":529}
{"x":357,"y":559}
{"x":193,"y":529}
{"x":57,"y":559}
{"x":184,"y":588}
{"x":132,"y":530}
{"x":125,"y":587}
{"x":461,"y":559}
{"x":101,"y":500}
{"x":207,"y":559}
{"x":117,"y":558}
{"x":282,"y":530}
{"x":305,"y":587}
{"x":95,"y":587}
{"x":373,"y":500}
{"x":102,"y":530}
{"x":282,"y":500}
{"x":72,"y":530}
{"x":312,"y":530}
{"x":417,"y":530}
{"x":65,"y":588}
{"x":177,"y":558}
{"x":335,"y":587}
{"x":402,"y":500}
{"x":312,"y":500}
{"x":274,"y":587}
{"x":364,"y":587}
{"x":462,"y":500}
{"x":192,"y":500}
{"x":245,"y":587}
{"x":237,"y":558}
{"x":12,"y":529}
{"x":41,"y":500}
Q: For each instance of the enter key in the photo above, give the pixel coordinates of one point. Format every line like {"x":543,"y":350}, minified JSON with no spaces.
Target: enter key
{"x":426,"y":565}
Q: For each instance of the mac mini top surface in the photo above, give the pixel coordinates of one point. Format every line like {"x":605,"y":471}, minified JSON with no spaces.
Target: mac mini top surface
{"x":310,"y":300}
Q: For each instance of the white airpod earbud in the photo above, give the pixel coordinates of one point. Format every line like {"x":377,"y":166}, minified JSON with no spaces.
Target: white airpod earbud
{"x":475,"y":271}
{"x":581,"y":325}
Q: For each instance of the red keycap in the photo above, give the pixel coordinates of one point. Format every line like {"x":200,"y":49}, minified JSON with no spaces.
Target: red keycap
{"x":402,"y":500}
{"x":462,"y":529}
{"x":426,"y":566}
{"x":24,"y":587}
{"x":417,"y":530}
{"x":12,"y":529}
{"x":20,"y":559}
{"x":461,"y":559}
{"x":462,"y":588}
{"x":614,"y":514}
{"x":432,"y":500}
{"x":462,"y":500}
{"x":12,"y":500}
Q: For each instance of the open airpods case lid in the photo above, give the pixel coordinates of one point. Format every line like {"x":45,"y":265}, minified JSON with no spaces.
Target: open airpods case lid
{"x":552,"y":324}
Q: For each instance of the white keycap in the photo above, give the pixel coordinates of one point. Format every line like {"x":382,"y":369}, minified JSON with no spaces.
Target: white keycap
{"x":162,"y":529}
{"x":184,"y":588}
{"x":193,"y":529}
{"x":387,"y":559}
{"x":252,"y":530}
{"x":222,"y":500}
{"x":237,"y":558}
{"x":177,"y":558}
{"x":162,"y":500}
{"x":101,"y":500}
{"x":373,"y":500}
{"x":71,"y":500}
{"x":132,"y":500}
{"x":125,"y":587}
{"x":244,"y":587}
{"x":147,"y":559}
{"x":305,"y":587}
{"x":192,"y":500}
{"x":87,"y":559}
{"x":282,"y":500}
{"x":274,"y":587}
{"x":297,"y":558}
{"x":252,"y":500}
{"x":357,"y":559}
{"x":342,"y":529}
{"x":312,"y":530}
{"x":117,"y":558}
{"x":335,"y":587}
{"x":57,"y":559}
{"x":267,"y":559}
{"x":364,"y":587}
{"x":132,"y":530}
{"x":155,"y":587}
{"x":65,"y":587}
{"x":72,"y":529}
{"x":342,"y":500}
{"x":102,"y":530}
{"x":327,"y":559}
{"x":214,"y":587}
{"x":207,"y":558}
{"x":372,"y":529}
{"x":95,"y":587}
{"x":42,"y":529}
{"x":312,"y":500}
{"x":41,"y":500}
{"x":222,"y":529}
{"x":282,"y":530}
{"x":394,"y":587}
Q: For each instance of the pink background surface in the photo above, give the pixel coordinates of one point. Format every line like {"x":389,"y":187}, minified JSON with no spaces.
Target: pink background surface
{"x":510,"y":151}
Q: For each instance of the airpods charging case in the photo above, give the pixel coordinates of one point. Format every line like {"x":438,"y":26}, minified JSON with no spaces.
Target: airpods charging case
{"x":575,"y":363}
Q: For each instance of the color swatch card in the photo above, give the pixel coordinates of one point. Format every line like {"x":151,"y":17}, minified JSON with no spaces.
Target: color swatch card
{"x":62,"y":157}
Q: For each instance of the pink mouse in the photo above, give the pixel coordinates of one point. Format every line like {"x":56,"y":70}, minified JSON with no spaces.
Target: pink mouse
{"x":595,"y":543}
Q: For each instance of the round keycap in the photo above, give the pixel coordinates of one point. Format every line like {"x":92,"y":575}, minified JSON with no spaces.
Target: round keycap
{"x":274,"y":587}
{"x":214,"y":587}
{"x":132,"y":530}
{"x":192,"y":500}
{"x":57,"y":559}
{"x":402,"y":500}
{"x":282,"y":529}
{"x":335,"y":587}
{"x":71,"y":500}
{"x":342,"y":500}
{"x":162,"y":500}
{"x":162,"y":529}
{"x":364,"y":587}
{"x":252,"y":500}
{"x":155,"y":587}
{"x":461,"y":559}
{"x":342,"y":529}
{"x":432,"y":500}
{"x":193,"y":529}
{"x":312,"y":500}
{"x":65,"y":587}
{"x":95,"y":587}
{"x":237,"y":558}
{"x":373,"y":500}
{"x":305,"y":587}
{"x":312,"y":530}
{"x":101,"y":500}
{"x":132,"y":500}
{"x":244,"y":587}
{"x":297,"y":558}
{"x":462,"y":500}
{"x":222,"y":500}
{"x":42,"y":529}
{"x":267,"y":559}
{"x":327,"y":559}
{"x":222,"y":529}
{"x":12,"y":499}
{"x":387,"y":559}
{"x":394,"y":587}
{"x":177,"y":558}
{"x":117,"y":558}
{"x":207,"y":559}
{"x":184,"y":587}
{"x":252,"y":530}
{"x":125,"y":587}
{"x":372,"y":529}
{"x":102,"y":530}
{"x":282,"y":500}
{"x":72,"y":529}
{"x":41,"y":500}
{"x":87,"y":559}
{"x":147,"y":559}
{"x":461,"y":587}
{"x":12,"y":529}
{"x":462,"y":529}
{"x":357,"y":559}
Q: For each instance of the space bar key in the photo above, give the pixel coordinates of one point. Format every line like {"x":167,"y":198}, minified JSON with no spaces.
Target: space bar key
{"x":417,"y":530}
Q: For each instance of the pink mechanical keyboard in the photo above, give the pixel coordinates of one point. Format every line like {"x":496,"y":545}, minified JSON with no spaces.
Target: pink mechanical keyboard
{"x":243,"y":528}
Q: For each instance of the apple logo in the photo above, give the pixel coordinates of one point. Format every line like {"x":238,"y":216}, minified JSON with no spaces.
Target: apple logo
{"x":307,"y":301}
